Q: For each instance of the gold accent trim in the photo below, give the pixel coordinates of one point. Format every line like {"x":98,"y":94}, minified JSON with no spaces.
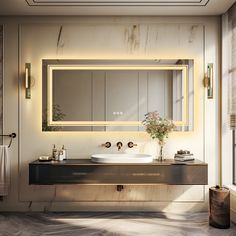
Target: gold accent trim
{"x":206,"y":80}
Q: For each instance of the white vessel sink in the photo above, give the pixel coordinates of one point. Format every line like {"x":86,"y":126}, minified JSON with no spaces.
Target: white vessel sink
{"x":121,"y":158}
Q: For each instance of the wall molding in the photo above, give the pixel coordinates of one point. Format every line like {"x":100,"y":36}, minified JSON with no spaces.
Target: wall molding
{"x":160,"y":3}
{"x":1,"y":80}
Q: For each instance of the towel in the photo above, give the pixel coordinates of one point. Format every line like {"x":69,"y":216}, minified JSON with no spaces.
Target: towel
{"x":4,"y":170}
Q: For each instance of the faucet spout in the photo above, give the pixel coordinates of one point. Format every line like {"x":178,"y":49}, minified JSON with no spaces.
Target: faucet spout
{"x":119,"y":145}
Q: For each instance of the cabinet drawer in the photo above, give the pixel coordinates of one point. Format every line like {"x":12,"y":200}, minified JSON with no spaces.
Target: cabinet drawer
{"x":118,"y":174}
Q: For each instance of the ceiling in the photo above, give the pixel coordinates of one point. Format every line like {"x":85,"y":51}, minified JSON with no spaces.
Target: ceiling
{"x":114,"y":7}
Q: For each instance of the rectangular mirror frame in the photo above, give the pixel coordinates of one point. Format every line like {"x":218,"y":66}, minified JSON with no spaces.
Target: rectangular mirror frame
{"x":51,"y":65}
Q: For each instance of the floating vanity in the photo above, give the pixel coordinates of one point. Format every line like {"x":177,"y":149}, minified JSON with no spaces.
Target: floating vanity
{"x":84,"y":171}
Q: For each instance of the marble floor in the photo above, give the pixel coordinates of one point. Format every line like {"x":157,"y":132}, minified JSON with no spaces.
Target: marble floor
{"x":92,"y":224}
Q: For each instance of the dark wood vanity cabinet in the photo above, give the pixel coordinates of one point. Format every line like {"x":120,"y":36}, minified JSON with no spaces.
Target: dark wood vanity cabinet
{"x":83,"y":171}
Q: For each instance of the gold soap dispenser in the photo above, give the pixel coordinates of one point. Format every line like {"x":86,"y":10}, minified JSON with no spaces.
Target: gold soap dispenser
{"x":54,"y":152}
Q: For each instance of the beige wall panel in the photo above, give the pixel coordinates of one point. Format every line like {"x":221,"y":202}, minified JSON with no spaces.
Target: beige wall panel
{"x":103,"y":38}
{"x":76,"y":40}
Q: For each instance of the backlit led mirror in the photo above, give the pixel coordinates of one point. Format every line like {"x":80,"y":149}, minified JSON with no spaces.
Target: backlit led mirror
{"x":114,"y":95}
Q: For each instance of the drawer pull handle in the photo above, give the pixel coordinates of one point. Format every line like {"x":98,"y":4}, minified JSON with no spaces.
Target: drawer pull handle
{"x":79,"y":173}
{"x":146,"y":174}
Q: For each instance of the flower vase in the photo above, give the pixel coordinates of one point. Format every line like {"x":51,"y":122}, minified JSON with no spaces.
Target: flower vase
{"x":161,"y":157}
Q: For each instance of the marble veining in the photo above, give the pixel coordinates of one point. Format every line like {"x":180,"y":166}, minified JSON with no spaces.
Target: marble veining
{"x":123,"y":224}
{"x":192,"y":33}
{"x":132,"y":36}
{"x":60,"y":44}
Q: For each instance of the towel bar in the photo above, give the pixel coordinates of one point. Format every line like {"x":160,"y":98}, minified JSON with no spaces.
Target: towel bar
{"x":12,"y":135}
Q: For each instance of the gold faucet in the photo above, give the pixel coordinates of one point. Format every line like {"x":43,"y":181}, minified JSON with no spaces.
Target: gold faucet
{"x":107,"y":145}
{"x":119,"y":145}
{"x":131,"y":144}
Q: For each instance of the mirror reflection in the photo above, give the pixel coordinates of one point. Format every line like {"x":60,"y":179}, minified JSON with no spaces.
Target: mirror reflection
{"x":81,"y":96}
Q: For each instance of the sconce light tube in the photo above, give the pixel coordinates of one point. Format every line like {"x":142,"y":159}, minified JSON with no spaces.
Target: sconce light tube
{"x":210,"y":81}
{"x":27,"y":80}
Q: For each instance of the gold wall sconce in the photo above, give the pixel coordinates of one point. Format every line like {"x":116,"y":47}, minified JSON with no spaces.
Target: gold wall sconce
{"x":27,"y":80}
{"x":208,"y":81}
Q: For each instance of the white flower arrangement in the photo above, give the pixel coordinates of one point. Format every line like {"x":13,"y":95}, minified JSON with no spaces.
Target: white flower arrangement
{"x":158,"y":128}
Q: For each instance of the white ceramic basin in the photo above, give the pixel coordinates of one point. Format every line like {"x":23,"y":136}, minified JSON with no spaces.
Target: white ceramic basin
{"x":121,"y":158}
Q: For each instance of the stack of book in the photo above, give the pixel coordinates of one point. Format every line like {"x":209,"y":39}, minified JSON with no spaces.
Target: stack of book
{"x":184,"y":156}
